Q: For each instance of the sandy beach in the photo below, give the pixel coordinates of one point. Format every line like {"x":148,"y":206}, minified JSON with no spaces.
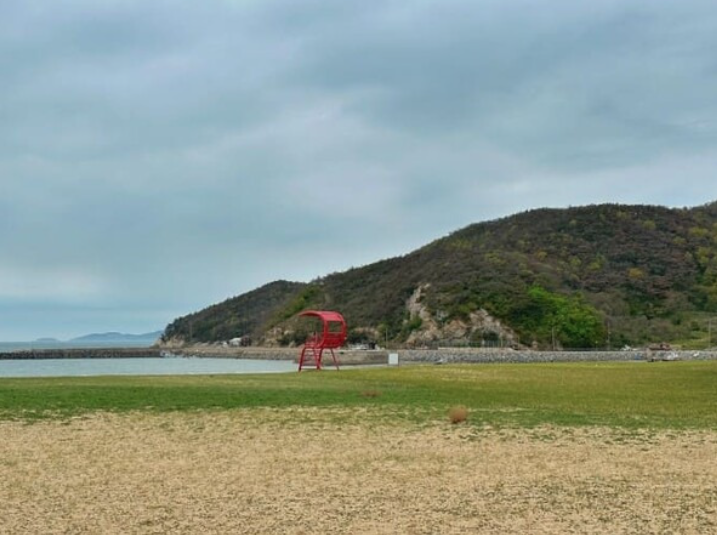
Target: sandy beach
{"x":321,"y":471}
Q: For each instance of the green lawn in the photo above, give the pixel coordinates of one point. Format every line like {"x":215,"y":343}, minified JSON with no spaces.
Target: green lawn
{"x":632,"y":395}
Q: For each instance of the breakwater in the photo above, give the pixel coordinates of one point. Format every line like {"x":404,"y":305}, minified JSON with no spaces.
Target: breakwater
{"x":82,"y":353}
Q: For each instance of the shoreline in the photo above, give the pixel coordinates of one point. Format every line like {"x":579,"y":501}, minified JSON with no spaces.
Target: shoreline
{"x":363,"y":357}
{"x":444,"y":355}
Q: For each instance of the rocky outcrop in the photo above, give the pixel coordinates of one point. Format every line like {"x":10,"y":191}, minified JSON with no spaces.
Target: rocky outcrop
{"x":479,"y":328}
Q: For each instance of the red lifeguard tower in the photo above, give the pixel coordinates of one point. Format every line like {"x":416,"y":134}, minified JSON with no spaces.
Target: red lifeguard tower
{"x":332,"y":336}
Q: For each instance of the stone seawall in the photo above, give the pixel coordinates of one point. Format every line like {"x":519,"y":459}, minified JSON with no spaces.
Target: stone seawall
{"x":509,"y":356}
{"x":344,"y":356}
{"x":84,"y":353}
{"x":252,"y":353}
{"x":356,"y":357}
{"x":446,"y":355}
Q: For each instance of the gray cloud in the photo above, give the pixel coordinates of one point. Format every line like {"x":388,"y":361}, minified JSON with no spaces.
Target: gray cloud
{"x":158,"y":157}
{"x":571,"y":87}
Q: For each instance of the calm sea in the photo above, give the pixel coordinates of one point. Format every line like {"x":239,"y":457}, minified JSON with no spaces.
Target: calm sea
{"x":139,"y":366}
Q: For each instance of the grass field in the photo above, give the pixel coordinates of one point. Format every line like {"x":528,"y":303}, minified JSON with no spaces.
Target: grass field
{"x":552,"y":448}
{"x":677,"y":395}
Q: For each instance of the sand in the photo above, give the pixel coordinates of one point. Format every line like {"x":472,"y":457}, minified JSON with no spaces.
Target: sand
{"x":260,"y":471}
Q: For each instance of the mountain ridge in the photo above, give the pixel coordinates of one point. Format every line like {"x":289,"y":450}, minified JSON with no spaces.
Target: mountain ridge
{"x":588,"y":276}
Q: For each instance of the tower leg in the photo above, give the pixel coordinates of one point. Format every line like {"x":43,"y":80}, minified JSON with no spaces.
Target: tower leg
{"x":318,"y":358}
{"x":333,"y":356}
{"x":301,"y":358}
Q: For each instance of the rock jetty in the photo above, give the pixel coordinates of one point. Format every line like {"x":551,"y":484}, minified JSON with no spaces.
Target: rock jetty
{"x":82,"y":353}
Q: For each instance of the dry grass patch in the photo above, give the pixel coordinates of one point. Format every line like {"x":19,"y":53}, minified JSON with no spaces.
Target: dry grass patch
{"x":247,"y":471}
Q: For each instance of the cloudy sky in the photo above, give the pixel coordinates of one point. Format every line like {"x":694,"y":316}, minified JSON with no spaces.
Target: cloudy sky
{"x":160,"y":156}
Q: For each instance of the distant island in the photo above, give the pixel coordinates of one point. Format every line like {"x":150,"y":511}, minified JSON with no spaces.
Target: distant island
{"x":103,"y":340}
{"x":118,"y":337}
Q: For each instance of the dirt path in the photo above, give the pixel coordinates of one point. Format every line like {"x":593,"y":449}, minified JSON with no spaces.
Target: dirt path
{"x":255,"y":472}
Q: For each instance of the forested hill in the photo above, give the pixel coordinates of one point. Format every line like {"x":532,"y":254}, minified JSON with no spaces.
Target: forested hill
{"x":579,"y":277}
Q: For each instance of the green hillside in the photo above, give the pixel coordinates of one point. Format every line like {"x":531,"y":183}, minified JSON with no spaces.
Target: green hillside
{"x":579,"y":277}
{"x":245,"y":315}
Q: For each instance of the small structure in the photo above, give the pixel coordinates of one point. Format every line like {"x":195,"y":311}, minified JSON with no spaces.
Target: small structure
{"x":332,"y":336}
{"x":662,"y":346}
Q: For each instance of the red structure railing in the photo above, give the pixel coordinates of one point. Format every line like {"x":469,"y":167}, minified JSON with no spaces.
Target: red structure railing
{"x":332,"y":336}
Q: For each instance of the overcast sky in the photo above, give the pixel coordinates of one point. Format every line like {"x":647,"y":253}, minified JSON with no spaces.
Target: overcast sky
{"x":158,"y":156}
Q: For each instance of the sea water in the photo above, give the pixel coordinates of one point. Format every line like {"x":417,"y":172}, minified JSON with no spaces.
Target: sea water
{"x":140,"y":366}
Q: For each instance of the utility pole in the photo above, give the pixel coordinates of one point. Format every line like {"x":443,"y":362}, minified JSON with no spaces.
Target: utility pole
{"x":709,"y":333}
